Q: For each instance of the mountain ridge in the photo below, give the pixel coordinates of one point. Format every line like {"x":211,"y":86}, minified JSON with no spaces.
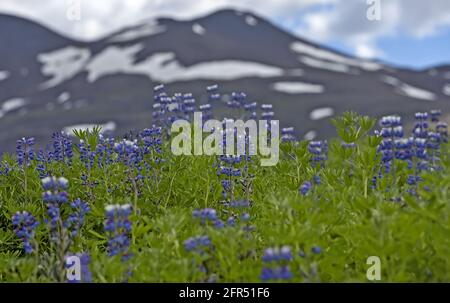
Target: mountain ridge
{"x":62,"y":82}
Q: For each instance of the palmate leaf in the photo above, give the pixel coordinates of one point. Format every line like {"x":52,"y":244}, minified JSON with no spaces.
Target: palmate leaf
{"x":351,"y":127}
{"x":88,"y":136}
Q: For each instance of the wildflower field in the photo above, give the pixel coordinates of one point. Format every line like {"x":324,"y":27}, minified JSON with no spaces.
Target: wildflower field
{"x":134,"y":212}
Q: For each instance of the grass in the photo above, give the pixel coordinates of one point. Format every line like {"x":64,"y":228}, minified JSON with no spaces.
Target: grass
{"x":343,"y":216}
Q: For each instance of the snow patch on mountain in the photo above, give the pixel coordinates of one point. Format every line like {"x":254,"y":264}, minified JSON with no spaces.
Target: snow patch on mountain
{"x":4,"y":75}
{"x":63,"y":97}
{"x":316,"y":63}
{"x":390,"y":80}
{"x":303,"y":48}
{"x":11,"y":105}
{"x":112,"y":60}
{"x":446,"y":89}
{"x":198,"y":29}
{"x":149,"y":29}
{"x":62,"y":64}
{"x":107,"y":127}
{"x":417,"y":93}
{"x":250,"y":20}
{"x":163,"y":67}
{"x":310,"y":135}
{"x":298,"y":88}
{"x":321,"y":113}
{"x":408,"y":90}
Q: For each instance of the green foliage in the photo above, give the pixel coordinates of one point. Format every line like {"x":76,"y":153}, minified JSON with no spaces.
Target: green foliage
{"x":343,"y":216}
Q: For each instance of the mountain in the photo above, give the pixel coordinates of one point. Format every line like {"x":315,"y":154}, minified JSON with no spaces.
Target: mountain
{"x":49,"y":82}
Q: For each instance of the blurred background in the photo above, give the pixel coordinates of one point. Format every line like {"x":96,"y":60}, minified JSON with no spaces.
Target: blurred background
{"x":73,"y":64}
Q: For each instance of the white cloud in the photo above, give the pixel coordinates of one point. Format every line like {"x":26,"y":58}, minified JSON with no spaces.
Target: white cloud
{"x":347,"y":22}
{"x":319,"y":20}
{"x":101,"y":17}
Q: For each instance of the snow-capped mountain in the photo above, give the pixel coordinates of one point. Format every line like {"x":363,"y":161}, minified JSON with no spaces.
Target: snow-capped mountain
{"x":49,"y":82}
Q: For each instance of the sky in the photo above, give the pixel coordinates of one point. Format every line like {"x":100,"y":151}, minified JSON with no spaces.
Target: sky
{"x":413,"y":33}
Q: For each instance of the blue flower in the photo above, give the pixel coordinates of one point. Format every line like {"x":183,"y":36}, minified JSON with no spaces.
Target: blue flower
{"x":62,"y":145}
{"x":24,"y":151}
{"x":197,"y":244}
{"x":206,"y":214}
{"x":213,"y":93}
{"x":305,"y":188}
{"x":118,"y":227}
{"x":284,"y":273}
{"x":435,"y":115}
{"x":286,"y":253}
{"x":316,"y":250}
{"x":24,"y":227}
{"x":76,"y":219}
{"x":267,"y":274}
{"x":318,"y":151}
{"x":245,"y":217}
{"x":276,"y":264}
{"x":239,"y":204}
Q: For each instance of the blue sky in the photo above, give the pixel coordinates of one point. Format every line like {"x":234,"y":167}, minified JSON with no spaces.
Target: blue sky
{"x":413,"y":33}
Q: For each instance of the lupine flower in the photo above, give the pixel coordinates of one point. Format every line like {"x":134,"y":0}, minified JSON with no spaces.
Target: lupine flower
{"x":24,"y":227}
{"x":250,"y":109}
{"x":305,"y":187}
{"x":231,"y":221}
{"x":24,"y":151}
{"x":245,"y":217}
{"x":4,"y":168}
{"x":197,"y":244}
{"x":188,"y":106}
{"x":55,"y":196}
{"x":151,"y":138}
{"x":85,"y":273}
{"x":104,"y":151}
{"x":227,"y":167}
{"x":286,"y":253}
{"x":76,"y":219}
{"x":62,"y":145}
{"x":118,"y":227}
{"x":316,"y":250}
{"x":391,"y":131}
{"x":87,"y":156}
{"x":206,"y":111}
{"x":160,"y":104}
{"x":55,"y":190}
{"x":318,"y":150}
{"x":237,"y":100}
{"x":279,"y":273}
{"x":435,"y":115}
{"x":85,"y":260}
{"x":43,"y":158}
{"x":287,"y":134}
{"x":218,"y":224}
{"x":206,"y":214}
{"x":441,"y":128}
{"x":390,"y":121}
{"x":421,"y":126}
{"x":276,"y":264}
{"x":128,"y":152}
{"x":239,"y":204}
{"x":213,"y":93}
